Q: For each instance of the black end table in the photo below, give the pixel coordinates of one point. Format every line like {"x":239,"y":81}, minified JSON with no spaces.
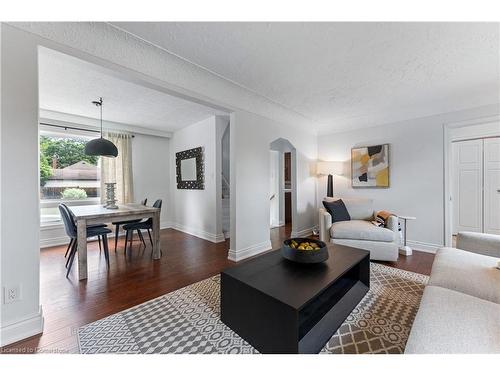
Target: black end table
{"x":283,"y":307}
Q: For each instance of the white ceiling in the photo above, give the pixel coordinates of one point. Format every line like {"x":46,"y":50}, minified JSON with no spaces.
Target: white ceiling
{"x":69,"y":85}
{"x":345,"y":75}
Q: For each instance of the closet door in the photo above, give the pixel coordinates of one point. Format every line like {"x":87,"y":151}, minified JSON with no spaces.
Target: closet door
{"x":492,"y":185}
{"x":467,"y":197}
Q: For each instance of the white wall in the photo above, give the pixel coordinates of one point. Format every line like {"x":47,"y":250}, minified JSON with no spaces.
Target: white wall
{"x":151,"y":171}
{"x":221,"y":145}
{"x":416,"y":170}
{"x":251,"y":136}
{"x":19,"y":265}
{"x":226,"y":146}
{"x":196,"y":211}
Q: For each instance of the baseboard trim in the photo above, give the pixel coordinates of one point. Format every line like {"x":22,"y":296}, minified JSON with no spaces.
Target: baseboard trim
{"x":216,"y":238}
{"x":426,"y":247}
{"x":64,"y":240}
{"x":250,"y":251}
{"x":29,"y":326}
{"x":302,"y":233}
{"x":165,"y":225}
{"x":55,"y":241}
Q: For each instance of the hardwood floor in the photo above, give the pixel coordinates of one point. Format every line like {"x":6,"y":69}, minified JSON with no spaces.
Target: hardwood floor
{"x":132,"y":279}
{"x":419,"y":262}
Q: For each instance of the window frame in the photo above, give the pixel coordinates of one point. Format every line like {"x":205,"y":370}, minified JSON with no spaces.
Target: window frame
{"x":47,"y":130}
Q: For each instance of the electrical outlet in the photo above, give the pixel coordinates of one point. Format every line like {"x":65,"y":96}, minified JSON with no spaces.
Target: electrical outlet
{"x":12,"y":294}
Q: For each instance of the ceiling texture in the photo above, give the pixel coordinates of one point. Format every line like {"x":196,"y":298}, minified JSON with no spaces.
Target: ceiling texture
{"x":68,"y":85}
{"x":344,"y":75}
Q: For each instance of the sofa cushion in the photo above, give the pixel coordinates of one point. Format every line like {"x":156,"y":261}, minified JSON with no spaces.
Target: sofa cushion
{"x":453,"y":322}
{"x":358,"y":208}
{"x":480,"y":243}
{"x":360,"y":230}
{"x":467,"y":272}
{"x":337,"y":210}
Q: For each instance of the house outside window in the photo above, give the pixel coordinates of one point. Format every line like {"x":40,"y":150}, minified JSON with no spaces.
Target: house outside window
{"x":67,"y":175}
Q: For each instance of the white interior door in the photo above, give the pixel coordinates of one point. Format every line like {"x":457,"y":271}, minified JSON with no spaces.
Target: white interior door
{"x":274,"y":189}
{"x":492,"y":185}
{"x":467,"y":198}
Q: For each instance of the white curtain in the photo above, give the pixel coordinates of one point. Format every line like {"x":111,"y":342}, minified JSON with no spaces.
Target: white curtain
{"x":118,"y":169}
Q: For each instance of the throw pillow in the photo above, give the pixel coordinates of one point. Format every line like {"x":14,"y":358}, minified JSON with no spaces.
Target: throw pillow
{"x":338,"y":210}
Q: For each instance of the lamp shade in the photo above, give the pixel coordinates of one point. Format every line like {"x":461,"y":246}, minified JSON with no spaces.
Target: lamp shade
{"x":330,"y":167}
{"x":101,"y":147}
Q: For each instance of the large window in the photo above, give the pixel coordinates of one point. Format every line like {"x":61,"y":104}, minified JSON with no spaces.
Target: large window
{"x":66,"y":174}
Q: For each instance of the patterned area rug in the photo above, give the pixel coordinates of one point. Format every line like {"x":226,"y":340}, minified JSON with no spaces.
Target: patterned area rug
{"x":188,"y":321}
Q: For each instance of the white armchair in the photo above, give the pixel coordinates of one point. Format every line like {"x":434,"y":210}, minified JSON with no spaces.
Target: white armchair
{"x":382,"y":242}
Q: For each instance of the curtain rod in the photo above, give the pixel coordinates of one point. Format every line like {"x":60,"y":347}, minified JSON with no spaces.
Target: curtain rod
{"x":65,"y":127}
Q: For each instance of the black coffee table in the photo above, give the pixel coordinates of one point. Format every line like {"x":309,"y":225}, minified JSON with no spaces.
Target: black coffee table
{"x":282,"y":307}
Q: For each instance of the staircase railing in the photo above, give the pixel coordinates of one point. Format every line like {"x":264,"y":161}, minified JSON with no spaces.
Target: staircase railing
{"x":226,"y":188}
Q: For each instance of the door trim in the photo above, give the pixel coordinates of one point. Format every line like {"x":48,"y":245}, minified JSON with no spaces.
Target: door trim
{"x":493,"y":167}
{"x":448,"y":138}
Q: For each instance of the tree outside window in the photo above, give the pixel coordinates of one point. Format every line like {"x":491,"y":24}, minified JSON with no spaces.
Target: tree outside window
{"x":66,"y":173}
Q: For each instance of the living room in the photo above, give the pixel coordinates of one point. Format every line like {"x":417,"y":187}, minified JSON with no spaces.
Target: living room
{"x":369,"y":148}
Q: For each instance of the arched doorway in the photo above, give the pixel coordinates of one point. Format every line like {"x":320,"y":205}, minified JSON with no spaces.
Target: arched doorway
{"x":283,"y":184}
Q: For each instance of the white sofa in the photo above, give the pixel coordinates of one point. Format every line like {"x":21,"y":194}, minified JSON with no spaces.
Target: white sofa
{"x":460,"y":307}
{"x":382,"y":243}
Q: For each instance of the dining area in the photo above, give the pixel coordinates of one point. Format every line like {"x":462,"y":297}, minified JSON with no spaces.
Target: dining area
{"x":82,"y":170}
{"x":88,"y":221}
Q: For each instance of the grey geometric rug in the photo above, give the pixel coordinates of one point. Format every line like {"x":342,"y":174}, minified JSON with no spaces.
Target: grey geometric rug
{"x":188,"y":321}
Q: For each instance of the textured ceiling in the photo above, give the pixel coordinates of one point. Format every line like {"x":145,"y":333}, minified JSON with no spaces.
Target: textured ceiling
{"x":68,"y":85}
{"x":345,"y":75}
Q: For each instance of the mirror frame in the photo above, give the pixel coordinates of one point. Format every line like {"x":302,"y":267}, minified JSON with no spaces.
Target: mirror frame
{"x":199,"y":183}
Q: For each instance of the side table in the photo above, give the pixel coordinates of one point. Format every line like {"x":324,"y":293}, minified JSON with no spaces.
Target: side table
{"x":405,"y":249}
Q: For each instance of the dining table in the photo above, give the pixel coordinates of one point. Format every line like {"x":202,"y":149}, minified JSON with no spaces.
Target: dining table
{"x":96,"y":214}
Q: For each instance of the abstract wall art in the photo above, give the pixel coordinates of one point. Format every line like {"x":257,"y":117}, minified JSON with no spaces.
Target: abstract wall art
{"x":370,"y":166}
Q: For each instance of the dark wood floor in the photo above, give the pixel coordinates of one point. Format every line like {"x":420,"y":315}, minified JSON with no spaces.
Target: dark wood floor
{"x":132,"y":279}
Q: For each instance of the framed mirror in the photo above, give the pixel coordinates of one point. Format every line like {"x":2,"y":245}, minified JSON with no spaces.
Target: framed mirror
{"x":190,"y":169}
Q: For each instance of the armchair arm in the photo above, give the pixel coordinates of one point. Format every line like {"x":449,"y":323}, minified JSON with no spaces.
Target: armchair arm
{"x":393,"y":223}
{"x":480,"y":243}
{"x":325,"y":223}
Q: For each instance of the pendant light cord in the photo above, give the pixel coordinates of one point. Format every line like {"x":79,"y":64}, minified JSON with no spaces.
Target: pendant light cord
{"x":99,"y":104}
{"x":100,"y":100}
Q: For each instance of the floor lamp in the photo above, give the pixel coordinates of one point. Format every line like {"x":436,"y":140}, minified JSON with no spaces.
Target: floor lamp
{"x":329,"y":168}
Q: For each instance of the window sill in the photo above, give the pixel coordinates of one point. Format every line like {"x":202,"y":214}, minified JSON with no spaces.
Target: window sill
{"x":51,"y":203}
{"x":47,"y":203}
{"x":51,"y":225}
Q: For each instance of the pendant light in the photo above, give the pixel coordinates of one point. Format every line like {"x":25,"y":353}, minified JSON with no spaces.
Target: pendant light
{"x":101,"y":146}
